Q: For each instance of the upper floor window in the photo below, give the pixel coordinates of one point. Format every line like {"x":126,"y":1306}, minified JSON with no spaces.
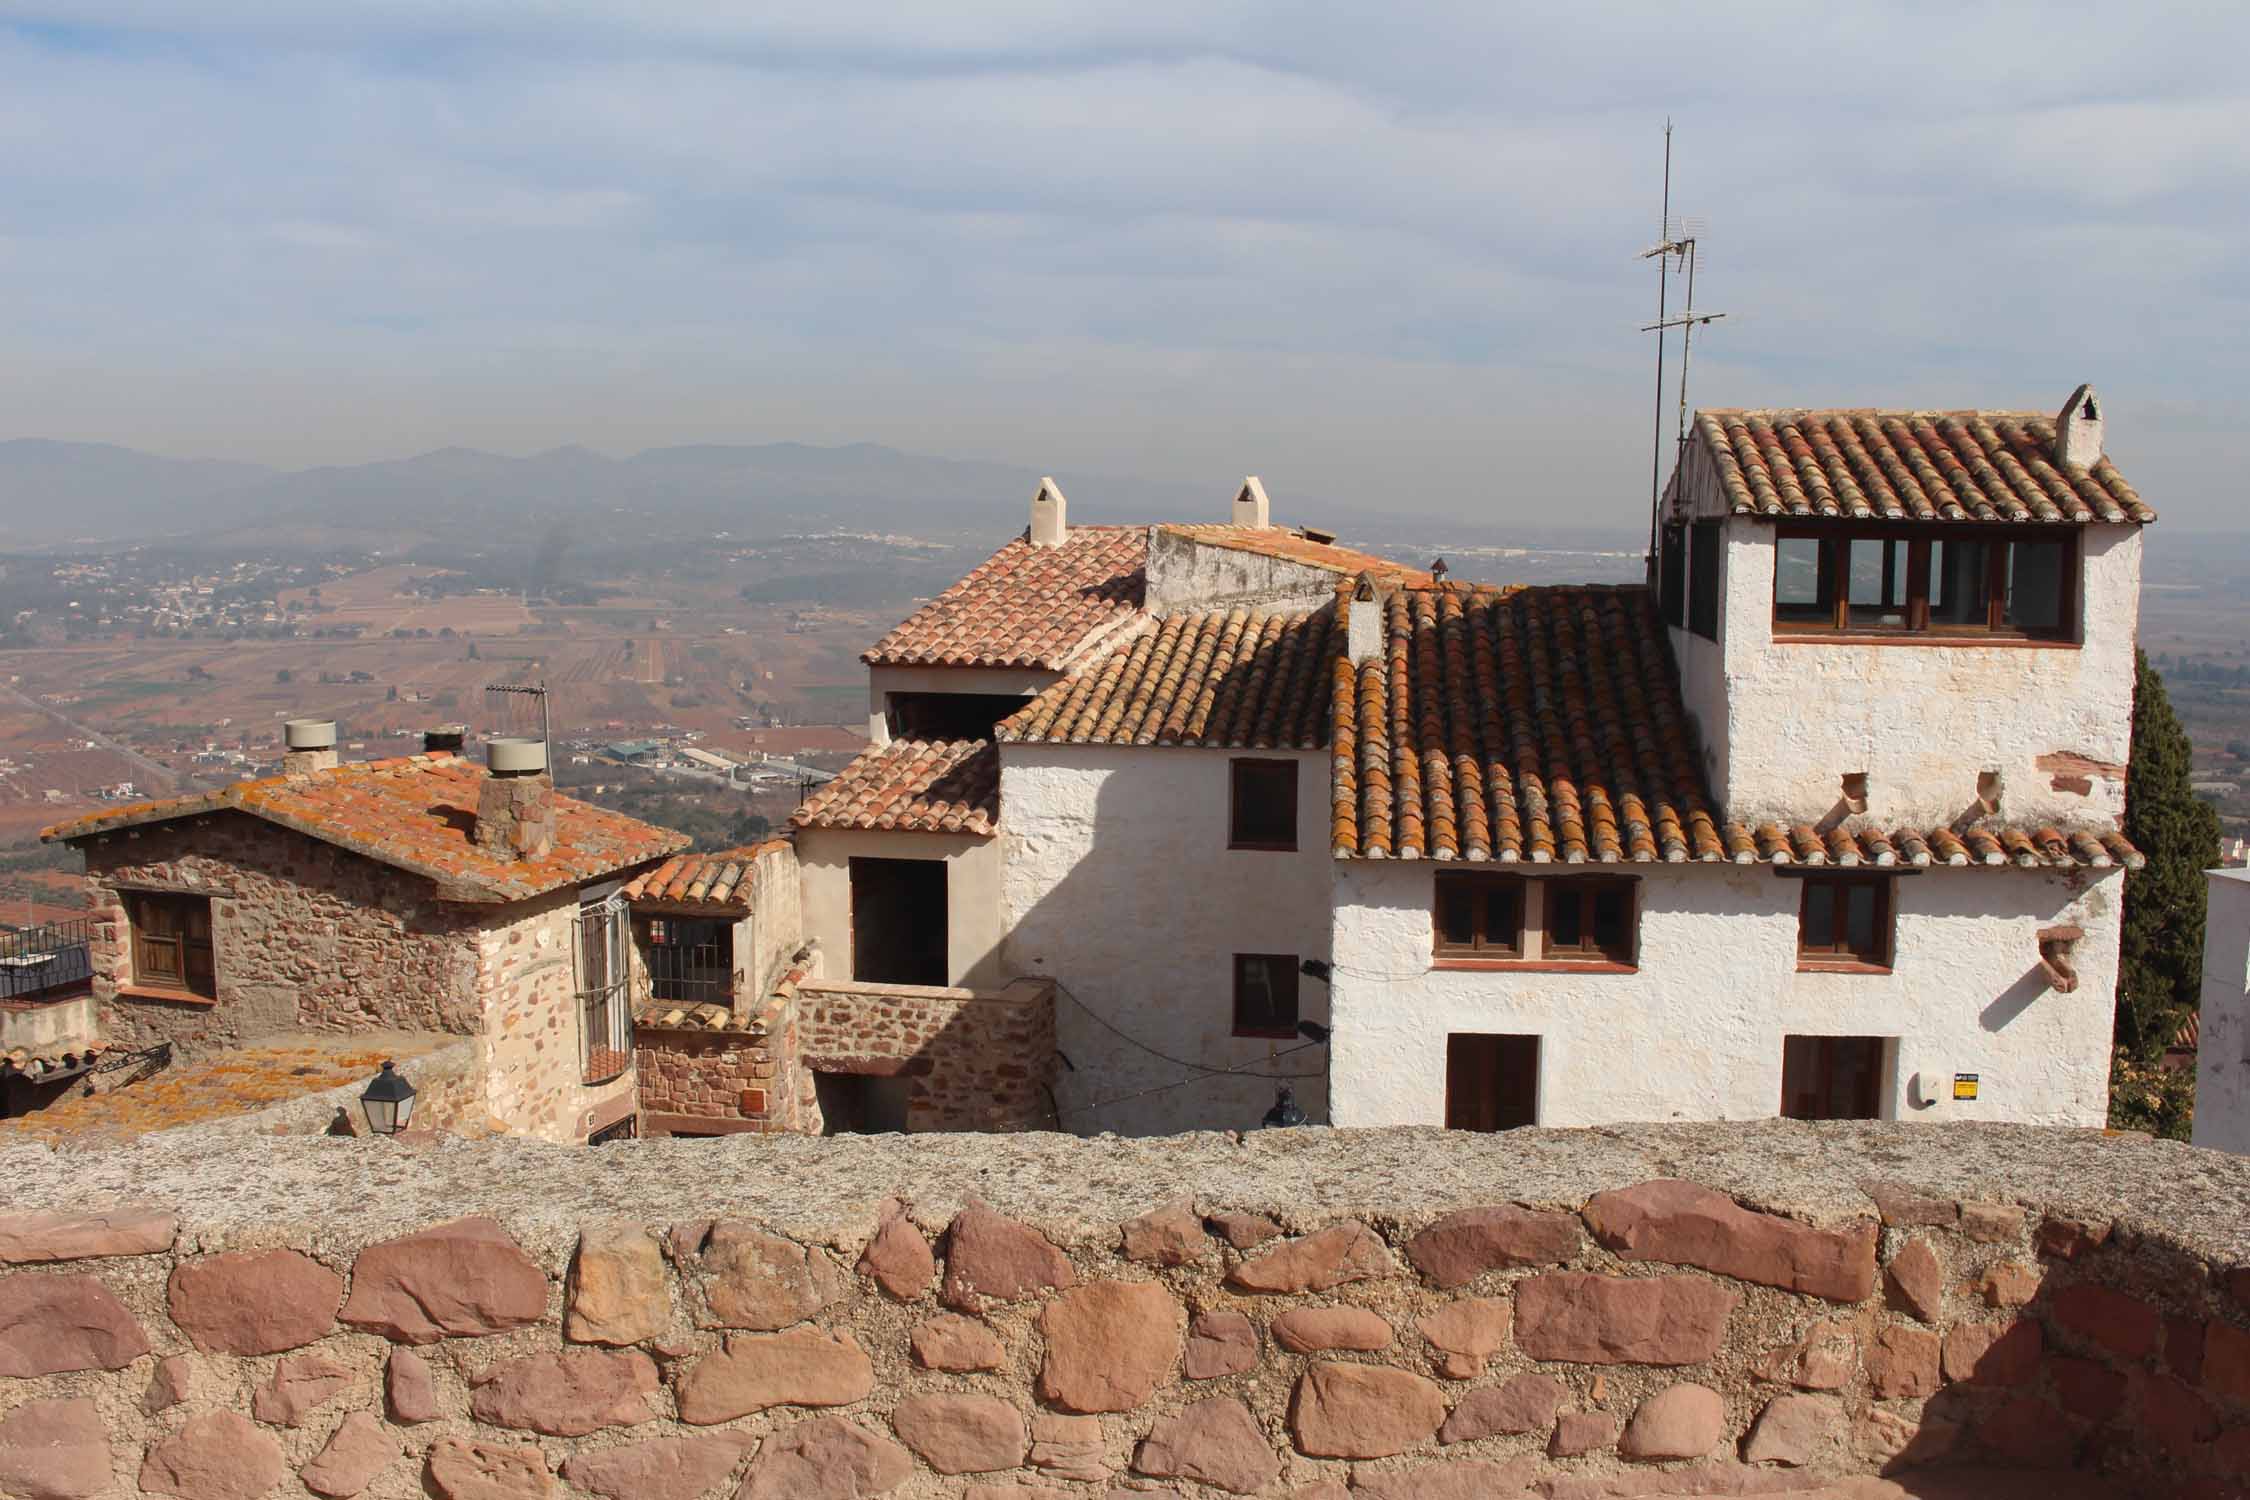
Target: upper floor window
{"x":688,"y":959}
{"x":172,"y":942}
{"x":1844,"y":921}
{"x":1262,"y":805}
{"x":1959,"y":581}
{"x":1483,"y":917}
{"x":1704,"y":568}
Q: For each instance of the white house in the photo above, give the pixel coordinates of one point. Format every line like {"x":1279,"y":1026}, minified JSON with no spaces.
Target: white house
{"x":1824,"y":824}
{"x":2222,"y":1058}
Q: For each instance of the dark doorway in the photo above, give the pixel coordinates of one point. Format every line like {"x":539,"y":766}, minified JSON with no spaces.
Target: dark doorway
{"x":861,"y":1103}
{"x":898,"y":921}
{"x":1491,"y":1082}
{"x":1832,"y":1077}
{"x":949,"y":716}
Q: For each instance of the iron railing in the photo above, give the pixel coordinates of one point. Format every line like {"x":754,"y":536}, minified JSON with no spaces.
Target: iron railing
{"x":606,"y":1018}
{"x":37,"y":960}
{"x":687,"y":961}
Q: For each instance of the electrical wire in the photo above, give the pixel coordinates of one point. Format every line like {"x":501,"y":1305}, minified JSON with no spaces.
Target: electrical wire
{"x":1180,"y":1062}
{"x":1207,"y":1075}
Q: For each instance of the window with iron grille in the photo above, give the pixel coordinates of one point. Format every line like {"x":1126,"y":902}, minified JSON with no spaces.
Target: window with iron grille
{"x":689,"y":960}
{"x":605,"y":1013}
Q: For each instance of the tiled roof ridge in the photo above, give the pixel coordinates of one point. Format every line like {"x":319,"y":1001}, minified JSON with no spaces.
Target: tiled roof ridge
{"x":718,"y":877}
{"x":918,"y":786}
{"x":1026,"y":605}
{"x":1295,"y":544}
{"x":1241,"y":677}
{"x":1869,"y":462}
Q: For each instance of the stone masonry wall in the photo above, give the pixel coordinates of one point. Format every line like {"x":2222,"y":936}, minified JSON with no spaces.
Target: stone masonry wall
{"x":1318,"y":1314}
{"x":704,"y":1082}
{"x":304,"y":935}
{"x":979,"y":1060}
{"x":535,"y":1044}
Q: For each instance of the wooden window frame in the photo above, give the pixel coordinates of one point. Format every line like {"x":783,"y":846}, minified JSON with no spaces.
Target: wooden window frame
{"x":1838,"y":957}
{"x":180,"y":979}
{"x":1707,"y":551}
{"x":1835,"y":586}
{"x":1286,"y":964}
{"x":1235,"y":769}
{"x":1481,"y":947}
{"x":1589,"y":950}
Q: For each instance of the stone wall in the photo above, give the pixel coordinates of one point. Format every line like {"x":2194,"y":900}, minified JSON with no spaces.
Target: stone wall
{"x":535,"y":1041}
{"x":304,"y":935}
{"x":978,"y":1060}
{"x":1324,"y":1315}
{"x":710,"y":1082}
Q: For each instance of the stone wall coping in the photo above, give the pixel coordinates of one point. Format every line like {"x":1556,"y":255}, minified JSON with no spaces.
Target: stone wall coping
{"x":1015,"y":992}
{"x":333,"y":1195}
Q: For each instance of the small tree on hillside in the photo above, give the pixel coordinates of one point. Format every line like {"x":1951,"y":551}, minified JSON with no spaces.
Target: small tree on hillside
{"x":2160,"y":958}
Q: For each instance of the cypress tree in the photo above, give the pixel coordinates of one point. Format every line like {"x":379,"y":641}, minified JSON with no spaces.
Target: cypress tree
{"x":2160,"y":958}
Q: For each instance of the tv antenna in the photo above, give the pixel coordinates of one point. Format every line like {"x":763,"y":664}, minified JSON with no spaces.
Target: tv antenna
{"x":1679,"y":247}
{"x":518,"y":709}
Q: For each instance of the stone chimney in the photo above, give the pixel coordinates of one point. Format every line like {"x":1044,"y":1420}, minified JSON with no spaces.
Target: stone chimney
{"x":516,"y":800}
{"x":1363,"y":620}
{"x":2078,"y":431}
{"x":445,"y":739}
{"x":1049,"y":524}
{"x":308,"y":745}
{"x":1252,"y":511}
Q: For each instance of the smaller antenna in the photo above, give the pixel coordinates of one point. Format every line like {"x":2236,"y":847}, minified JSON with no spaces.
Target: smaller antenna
{"x":515,"y":708}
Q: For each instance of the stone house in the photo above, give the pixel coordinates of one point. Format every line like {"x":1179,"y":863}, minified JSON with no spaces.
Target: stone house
{"x":423,"y":893}
{"x":1822,"y":822}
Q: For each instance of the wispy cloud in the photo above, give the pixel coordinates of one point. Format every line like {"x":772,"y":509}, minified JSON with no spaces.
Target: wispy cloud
{"x":1377,"y":251}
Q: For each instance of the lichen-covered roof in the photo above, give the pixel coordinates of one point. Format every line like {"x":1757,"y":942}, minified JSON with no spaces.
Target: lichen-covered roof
{"x":917,"y":786}
{"x":1909,"y":465}
{"x":1545,"y":724}
{"x":417,"y":813}
{"x":1233,"y":678}
{"x":719,"y":879}
{"x":1028,"y":606}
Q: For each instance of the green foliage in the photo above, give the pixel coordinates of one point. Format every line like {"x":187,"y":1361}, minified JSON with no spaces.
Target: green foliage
{"x":2160,"y":958}
{"x":2149,"y":1099}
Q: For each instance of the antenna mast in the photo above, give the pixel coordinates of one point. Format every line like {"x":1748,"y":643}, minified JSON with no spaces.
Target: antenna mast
{"x":1672,"y":251}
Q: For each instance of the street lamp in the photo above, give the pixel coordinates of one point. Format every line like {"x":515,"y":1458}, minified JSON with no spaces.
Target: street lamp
{"x":1285,"y":1113}
{"x":388,"y":1100}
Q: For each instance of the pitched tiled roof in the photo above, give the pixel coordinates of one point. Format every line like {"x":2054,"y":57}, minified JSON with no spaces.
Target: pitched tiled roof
{"x":1238,"y":678}
{"x":1028,"y":606}
{"x":417,"y":813}
{"x":1909,"y":465}
{"x":1295,"y":546}
{"x":698,"y":879}
{"x":924,"y":786}
{"x":1545,"y":724}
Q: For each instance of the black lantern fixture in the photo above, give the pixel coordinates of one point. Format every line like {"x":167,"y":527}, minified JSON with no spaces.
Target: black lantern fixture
{"x":1285,"y":1112}
{"x":389,"y":1101}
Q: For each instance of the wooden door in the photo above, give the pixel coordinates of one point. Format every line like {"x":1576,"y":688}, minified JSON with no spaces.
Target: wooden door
{"x":1491,"y":1081}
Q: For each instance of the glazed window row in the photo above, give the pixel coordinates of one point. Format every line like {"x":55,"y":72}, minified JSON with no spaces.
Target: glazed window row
{"x":1844,"y":922}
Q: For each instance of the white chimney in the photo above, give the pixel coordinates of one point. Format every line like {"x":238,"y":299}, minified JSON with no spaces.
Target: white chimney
{"x":1363,"y":620}
{"x":308,"y":745}
{"x":1252,"y":510}
{"x":2078,"y":431}
{"x":1049,"y":525}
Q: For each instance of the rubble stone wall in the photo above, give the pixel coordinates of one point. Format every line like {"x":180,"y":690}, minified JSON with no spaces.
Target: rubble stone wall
{"x":978,"y":1060}
{"x":1323,"y":1315}
{"x":303,"y":935}
{"x":707,"y":1082}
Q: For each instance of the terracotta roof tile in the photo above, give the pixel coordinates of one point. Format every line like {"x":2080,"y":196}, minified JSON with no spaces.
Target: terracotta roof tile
{"x":1234,"y":678}
{"x":417,"y":813}
{"x":1028,"y":606}
{"x":924,"y":786}
{"x":700,"y":879}
{"x":1545,"y":724}
{"x":1295,"y":546}
{"x":1909,"y":465}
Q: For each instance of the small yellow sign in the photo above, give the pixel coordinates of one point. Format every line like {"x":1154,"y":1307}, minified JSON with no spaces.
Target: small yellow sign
{"x":1964,"y":1085}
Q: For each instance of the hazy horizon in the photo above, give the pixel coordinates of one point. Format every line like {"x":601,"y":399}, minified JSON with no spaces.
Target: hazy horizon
{"x":1387,"y":258}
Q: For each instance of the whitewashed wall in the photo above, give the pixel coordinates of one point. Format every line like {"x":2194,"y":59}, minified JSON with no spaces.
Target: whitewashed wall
{"x":972,"y":892}
{"x":1118,"y":883}
{"x":1697,"y":1033}
{"x":1187,"y":574}
{"x":1781,"y":721}
{"x":2222,"y":1064}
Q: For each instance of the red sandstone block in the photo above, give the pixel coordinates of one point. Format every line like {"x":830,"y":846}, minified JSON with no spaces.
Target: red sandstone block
{"x":2174,"y":1417}
{"x":2125,"y":1326}
{"x":2088,"y":1389}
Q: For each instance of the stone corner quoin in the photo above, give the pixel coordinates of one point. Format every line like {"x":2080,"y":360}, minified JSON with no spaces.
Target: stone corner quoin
{"x":1491,"y":1348}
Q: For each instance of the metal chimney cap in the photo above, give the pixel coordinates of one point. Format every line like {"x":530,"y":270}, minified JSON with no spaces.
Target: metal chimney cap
{"x":309,"y":734}
{"x":515,"y":755}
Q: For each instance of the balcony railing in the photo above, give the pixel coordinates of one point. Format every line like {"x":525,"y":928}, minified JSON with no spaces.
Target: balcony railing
{"x":687,"y":963}
{"x":38,"y":961}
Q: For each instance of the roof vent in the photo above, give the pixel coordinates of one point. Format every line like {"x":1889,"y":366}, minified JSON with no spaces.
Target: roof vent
{"x":445,"y":739}
{"x":309,"y":734}
{"x":1049,"y":523}
{"x":2078,"y":431}
{"x":1252,"y":510}
{"x":515,"y":755}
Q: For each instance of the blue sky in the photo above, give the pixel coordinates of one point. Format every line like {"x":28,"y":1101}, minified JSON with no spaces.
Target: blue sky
{"x":1367,"y":252}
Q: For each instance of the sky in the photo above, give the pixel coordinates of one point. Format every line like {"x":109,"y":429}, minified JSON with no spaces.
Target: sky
{"x":1378,"y":252}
